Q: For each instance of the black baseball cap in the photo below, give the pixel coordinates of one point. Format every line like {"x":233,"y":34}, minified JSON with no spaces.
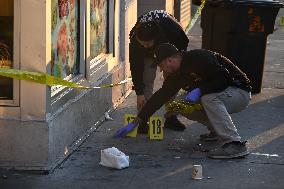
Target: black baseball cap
{"x":162,"y":51}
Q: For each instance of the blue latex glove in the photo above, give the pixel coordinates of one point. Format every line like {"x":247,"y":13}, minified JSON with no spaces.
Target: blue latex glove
{"x":125,"y":130}
{"x":193,"y":96}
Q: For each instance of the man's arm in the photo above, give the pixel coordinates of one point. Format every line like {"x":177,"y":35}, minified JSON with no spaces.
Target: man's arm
{"x":170,"y":87}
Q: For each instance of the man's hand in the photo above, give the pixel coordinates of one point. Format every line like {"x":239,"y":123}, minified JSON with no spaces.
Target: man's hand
{"x":193,"y":96}
{"x":141,"y":101}
{"x":125,"y":130}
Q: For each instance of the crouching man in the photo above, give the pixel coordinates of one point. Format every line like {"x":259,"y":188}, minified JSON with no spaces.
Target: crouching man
{"x":220,"y":86}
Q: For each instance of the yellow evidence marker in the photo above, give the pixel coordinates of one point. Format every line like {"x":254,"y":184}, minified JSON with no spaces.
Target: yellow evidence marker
{"x":128,"y":118}
{"x":156,"y":128}
{"x":281,"y":22}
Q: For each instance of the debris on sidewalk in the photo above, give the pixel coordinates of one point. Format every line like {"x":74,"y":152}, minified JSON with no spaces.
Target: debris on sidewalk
{"x":114,"y":158}
{"x":200,"y":148}
{"x":197,"y":172}
{"x":179,"y":139}
{"x":107,"y":116}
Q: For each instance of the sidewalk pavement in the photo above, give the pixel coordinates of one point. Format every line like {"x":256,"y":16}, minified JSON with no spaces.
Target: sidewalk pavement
{"x":168,"y":163}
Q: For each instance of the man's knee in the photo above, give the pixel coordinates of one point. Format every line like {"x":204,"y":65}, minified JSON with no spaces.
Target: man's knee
{"x":207,"y":98}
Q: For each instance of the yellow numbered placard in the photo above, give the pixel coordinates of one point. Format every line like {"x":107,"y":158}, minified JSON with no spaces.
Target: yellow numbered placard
{"x":281,"y":22}
{"x":156,"y":128}
{"x":128,"y":118}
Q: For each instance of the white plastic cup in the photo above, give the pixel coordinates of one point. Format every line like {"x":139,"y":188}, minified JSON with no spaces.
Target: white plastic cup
{"x":197,"y":172}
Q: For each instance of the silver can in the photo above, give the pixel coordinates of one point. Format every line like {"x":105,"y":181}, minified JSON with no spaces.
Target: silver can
{"x":197,"y":172}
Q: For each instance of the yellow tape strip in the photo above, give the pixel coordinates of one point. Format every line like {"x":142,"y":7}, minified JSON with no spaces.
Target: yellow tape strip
{"x":182,"y":107}
{"x":47,"y":79}
{"x":195,"y":17}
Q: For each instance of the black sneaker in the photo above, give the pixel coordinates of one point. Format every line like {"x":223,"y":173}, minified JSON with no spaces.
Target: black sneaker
{"x":235,"y":149}
{"x":174,"y":124}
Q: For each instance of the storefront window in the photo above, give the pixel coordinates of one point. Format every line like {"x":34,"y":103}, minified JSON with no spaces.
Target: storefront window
{"x":6,"y":46}
{"x":65,"y":37}
{"x":99,"y":27}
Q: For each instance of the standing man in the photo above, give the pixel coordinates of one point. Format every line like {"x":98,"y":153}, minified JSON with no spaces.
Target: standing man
{"x":220,"y":86}
{"x":152,"y":29}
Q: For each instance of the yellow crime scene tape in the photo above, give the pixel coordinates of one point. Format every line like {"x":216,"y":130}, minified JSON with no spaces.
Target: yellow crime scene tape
{"x":46,"y":79}
{"x":182,"y":107}
{"x":195,"y":17}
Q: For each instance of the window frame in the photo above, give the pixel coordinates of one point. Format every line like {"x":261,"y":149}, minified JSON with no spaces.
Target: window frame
{"x":94,"y":65}
{"x":57,"y":91}
{"x":90,"y":70}
{"x":15,"y":102}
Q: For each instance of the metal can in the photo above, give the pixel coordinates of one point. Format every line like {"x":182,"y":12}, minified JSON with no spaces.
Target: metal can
{"x":197,"y":172}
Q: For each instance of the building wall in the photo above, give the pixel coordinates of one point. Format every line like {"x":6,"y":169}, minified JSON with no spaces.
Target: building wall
{"x":148,"y":5}
{"x":169,"y":7}
{"x":23,"y":127}
{"x":42,"y":129}
{"x":180,"y":9}
{"x":33,"y":57}
{"x":66,"y":126}
{"x":24,"y":145}
{"x":5,"y":7}
{"x":128,"y":19}
{"x":183,"y":11}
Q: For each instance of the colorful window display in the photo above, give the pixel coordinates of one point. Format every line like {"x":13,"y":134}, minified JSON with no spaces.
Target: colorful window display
{"x":65,"y":37}
{"x":6,"y":46}
{"x":99,"y":27}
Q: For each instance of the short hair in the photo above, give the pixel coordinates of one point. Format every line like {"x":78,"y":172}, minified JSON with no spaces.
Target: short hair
{"x":147,"y":31}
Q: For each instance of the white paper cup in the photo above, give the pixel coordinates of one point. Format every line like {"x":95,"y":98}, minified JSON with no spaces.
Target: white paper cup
{"x":197,"y":172}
